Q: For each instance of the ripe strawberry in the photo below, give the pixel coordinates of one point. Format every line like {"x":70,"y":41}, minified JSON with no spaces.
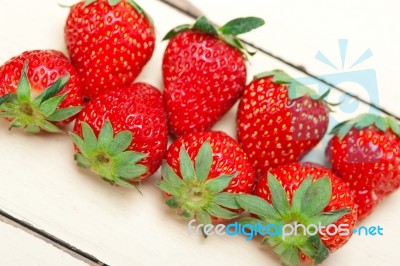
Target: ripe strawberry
{"x":304,"y":194}
{"x":109,"y":43}
{"x":39,"y":89}
{"x":136,"y":115}
{"x":204,"y":72}
{"x":279,"y":120}
{"x":202,"y":173}
{"x":365,"y":152}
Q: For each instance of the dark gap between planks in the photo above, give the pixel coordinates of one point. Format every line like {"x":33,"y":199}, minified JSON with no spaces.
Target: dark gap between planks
{"x":52,"y":238}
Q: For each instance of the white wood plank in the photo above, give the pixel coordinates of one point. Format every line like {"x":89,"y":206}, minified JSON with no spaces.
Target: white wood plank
{"x":297,"y":30}
{"x":42,"y":185}
{"x":18,"y":248}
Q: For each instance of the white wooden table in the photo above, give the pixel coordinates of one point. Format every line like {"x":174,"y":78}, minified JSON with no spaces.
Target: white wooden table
{"x":43,"y":189}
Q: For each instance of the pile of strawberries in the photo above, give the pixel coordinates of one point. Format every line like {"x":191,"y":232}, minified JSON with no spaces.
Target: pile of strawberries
{"x":121,"y":128}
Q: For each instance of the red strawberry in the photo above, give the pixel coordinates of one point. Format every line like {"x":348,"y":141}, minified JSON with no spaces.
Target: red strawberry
{"x":302,"y":194}
{"x":204,"y":72}
{"x":201,"y":174}
{"x":120,"y":129}
{"x":109,"y":43}
{"x":39,"y":89}
{"x":279,"y":120}
{"x":365,"y":152}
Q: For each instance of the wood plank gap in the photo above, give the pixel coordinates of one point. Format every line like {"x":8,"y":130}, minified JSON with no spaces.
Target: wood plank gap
{"x":51,"y":239}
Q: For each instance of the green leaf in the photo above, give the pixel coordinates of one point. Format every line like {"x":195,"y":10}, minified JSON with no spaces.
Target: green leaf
{"x":120,"y":142}
{"x":272,"y":241}
{"x":328,"y":218}
{"x":79,"y":142}
{"x":299,"y":194}
{"x":113,"y":2}
{"x":128,"y":158}
{"x":278,"y":195}
{"x":202,"y":24}
{"x":170,"y":176}
{"x":324,"y":95}
{"x":344,"y":130}
{"x":64,"y":113}
{"x":381,"y":124}
{"x":175,"y":31}
{"x":393,"y":125}
{"x":226,"y":199}
{"x":267,"y":74}
{"x":218,"y":211}
{"x":291,"y":256}
{"x":168,"y":187}
{"x":130,"y":171}
{"x":52,"y":90}
{"x":186,"y":165}
{"x":251,"y":221}
{"x":316,"y":197}
{"x":364,"y":120}
{"x":218,"y":184}
{"x":49,"y":127}
{"x":203,"y":161}
{"x":308,"y":249}
{"x":106,"y":135}
{"x":172,"y":202}
{"x":186,"y":213}
{"x":241,"y":25}
{"x":89,"y":137}
{"x":88,"y":2}
{"x":322,"y":251}
{"x":32,"y":128}
{"x":123,"y":183}
{"x":336,"y":128}
{"x":257,"y":206}
{"x":203,"y":217}
{"x":48,"y":107}
{"x":24,"y":87}
{"x":82,"y":160}
{"x":4,"y":98}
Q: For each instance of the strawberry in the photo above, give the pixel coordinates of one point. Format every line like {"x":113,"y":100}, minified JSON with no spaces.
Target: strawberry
{"x":202,"y":173}
{"x":39,"y":90}
{"x":313,"y":208}
{"x":365,"y":152}
{"x":109,"y":42}
{"x":204,"y":72}
{"x":279,"y":120}
{"x":122,"y":135}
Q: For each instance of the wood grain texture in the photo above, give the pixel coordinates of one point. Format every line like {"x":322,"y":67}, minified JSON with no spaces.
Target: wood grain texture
{"x":41,"y":183}
{"x":19,"y":248}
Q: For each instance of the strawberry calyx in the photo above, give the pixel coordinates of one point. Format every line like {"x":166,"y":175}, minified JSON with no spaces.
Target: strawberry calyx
{"x":227,"y":32}
{"x":307,"y":206}
{"x":193,"y":196}
{"x":365,"y":120}
{"x":137,"y":7}
{"x":39,"y":113}
{"x":295,"y":89}
{"x":107,"y":155}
